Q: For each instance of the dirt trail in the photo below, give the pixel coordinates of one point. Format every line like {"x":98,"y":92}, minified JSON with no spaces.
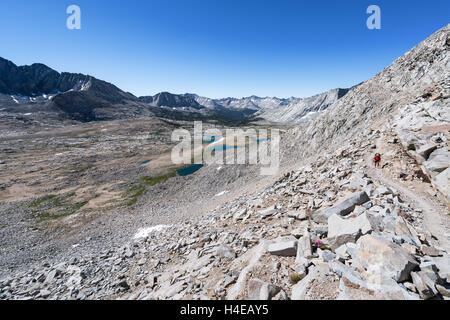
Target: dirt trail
{"x":435,"y":216}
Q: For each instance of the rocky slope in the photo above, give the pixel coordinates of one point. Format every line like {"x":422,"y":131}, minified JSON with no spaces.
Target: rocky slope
{"x":300,"y":110}
{"x":328,"y":230}
{"x":411,"y":78}
{"x":423,"y":128}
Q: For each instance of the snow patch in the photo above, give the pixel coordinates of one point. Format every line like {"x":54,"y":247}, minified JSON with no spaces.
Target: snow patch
{"x":144,"y":232}
{"x":221,"y":193}
{"x":85,"y":86}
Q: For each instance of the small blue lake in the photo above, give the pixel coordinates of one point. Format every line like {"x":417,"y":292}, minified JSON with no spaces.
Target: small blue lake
{"x":189,"y":169}
{"x":145,"y":162}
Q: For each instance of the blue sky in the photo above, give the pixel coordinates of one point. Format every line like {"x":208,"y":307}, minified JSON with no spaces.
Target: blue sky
{"x":218,"y":48}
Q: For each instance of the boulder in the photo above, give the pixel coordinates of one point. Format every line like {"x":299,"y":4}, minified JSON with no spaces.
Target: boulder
{"x":52,"y":275}
{"x":424,"y":285}
{"x":341,"y":231}
{"x":407,"y":139}
{"x":260,"y":290}
{"x":402,"y":228}
{"x":442,"y":183}
{"x":239,"y":215}
{"x":168,"y":290}
{"x":342,"y":252}
{"x":245,"y":264}
{"x":267,"y":212}
{"x":438,"y":153}
{"x":443,"y":265}
{"x":383,"y":258}
{"x":304,"y":249}
{"x":299,"y":215}
{"x":299,"y":290}
{"x":286,"y":248}
{"x":343,"y":208}
{"x":425,"y":150}
{"x":326,"y":255}
{"x":419,"y":159}
{"x":224,"y":251}
{"x":429,"y":251}
{"x":438,"y":161}
{"x":353,"y":287}
{"x":444,"y":289}
{"x":382,"y":191}
{"x":431,"y":270}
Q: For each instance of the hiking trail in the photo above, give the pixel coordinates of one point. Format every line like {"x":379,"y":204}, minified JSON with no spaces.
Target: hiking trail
{"x":435,"y":215}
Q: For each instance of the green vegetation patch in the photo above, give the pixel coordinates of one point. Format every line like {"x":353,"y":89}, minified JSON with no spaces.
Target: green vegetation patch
{"x":51,"y":207}
{"x":139,"y":186}
{"x":44,"y":199}
{"x":79,"y":169}
{"x":294,"y":278}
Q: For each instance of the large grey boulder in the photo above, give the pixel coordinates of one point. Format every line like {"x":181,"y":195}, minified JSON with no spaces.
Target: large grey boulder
{"x":407,"y":139}
{"x":353,"y":287}
{"x":326,"y":255}
{"x":442,"y":183}
{"x":402,"y":228}
{"x":260,"y":290}
{"x":382,"y":258}
{"x":425,"y":286}
{"x":300,"y":290}
{"x":270,"y":211}
{"x":425,"y":150}
{"x":438,"y":161}
{"x":343,"y":208}
{"x":342,"y":231}
{"x":443,"y":265}
{"x":431,"y":270}
{"x":286,"y":248}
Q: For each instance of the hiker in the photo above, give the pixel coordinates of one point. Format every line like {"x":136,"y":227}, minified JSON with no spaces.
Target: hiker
{"x":376,"y":160}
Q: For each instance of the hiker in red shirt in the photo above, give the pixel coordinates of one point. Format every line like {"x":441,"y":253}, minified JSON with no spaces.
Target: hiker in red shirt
{"x":376,"y":160}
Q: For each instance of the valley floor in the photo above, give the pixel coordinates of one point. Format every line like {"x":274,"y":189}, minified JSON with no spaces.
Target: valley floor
{"x":76,"y":190}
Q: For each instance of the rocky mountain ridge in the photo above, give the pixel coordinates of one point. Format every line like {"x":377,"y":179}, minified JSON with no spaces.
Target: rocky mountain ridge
{"x":85,"y":98}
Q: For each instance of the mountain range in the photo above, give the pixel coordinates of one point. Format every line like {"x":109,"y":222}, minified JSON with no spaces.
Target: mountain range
{"x":38,"y":88}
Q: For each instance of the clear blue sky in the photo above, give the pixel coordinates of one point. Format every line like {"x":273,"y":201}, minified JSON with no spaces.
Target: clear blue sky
{"x":218,"y":48}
